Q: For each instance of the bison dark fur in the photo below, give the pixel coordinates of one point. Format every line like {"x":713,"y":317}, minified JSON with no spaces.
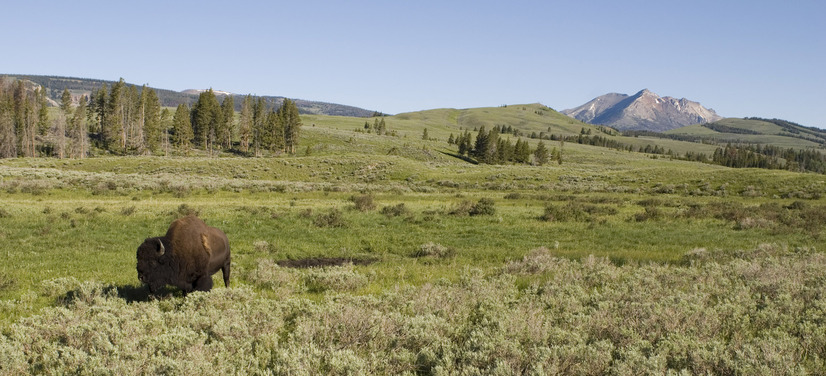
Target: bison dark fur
{"x":186,"y":257}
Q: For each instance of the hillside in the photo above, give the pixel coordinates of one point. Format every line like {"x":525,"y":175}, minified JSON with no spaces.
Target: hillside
{"x":644,"y":110}
{"x":774,"y":132}
{"x":170,"y":98}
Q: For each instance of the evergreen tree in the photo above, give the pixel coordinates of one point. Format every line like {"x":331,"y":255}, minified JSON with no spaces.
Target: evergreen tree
{"x":58,"y":135}
{"x":292,"y":125}
{"x":114,"y":127}
{"x":382,"y":127}
{"x":79,"y":131}
{"x":66,"y":102}
{"x":540,"y":154}
{"x":8,"y":132}
{"x":29,"y":125}
{"x":206,"y":115}
{"x":245,"y":124}
{"x":97,"y":110}
{"x":274,"y":132}
{"x":259,"y":125}
{"x":152,"y":119}
{"x":19,"y":115}
{"x":182,"y":128}
{"x":166,"y":119}
{"x":450,"y":140}
{"x":133,"y":120}
{"x":227,"y":124}
{"x":424,"y":135}
{"x":480,"y":147}
{"x":42,"y":111}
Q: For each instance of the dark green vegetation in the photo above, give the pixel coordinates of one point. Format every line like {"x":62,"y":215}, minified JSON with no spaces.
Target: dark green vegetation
{"x":375,"y":250}
{"x":78,"y":87}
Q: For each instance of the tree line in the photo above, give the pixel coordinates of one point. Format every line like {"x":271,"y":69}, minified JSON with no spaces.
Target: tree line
{"x":127,"y":120}
{"x":488,"y":147}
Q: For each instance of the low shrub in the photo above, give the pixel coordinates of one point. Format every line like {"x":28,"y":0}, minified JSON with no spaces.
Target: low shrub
{"x":268,"y":275}
{"x":264,"y":246}
{"x":575,"y":211}
{"x":433,"y":250}
{"x":462,"y":208}
{"x":485,"y":206}
{"x":651,"y":213}
{"x":395,"y":210}
{"x":363,"y":202}
{"x":332,"y":218}
{"x":335,"y":278}
{"x":184,"y":210}
{"x":750,"y":312}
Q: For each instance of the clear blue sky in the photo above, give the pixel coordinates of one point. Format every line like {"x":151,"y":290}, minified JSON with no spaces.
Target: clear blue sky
{"x":742,"y":58}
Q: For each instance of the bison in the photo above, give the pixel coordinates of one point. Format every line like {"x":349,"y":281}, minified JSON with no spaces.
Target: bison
{"x":186,"y":257}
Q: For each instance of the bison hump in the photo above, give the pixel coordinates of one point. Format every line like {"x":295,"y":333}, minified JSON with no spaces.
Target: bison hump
{"x":205,"y":242}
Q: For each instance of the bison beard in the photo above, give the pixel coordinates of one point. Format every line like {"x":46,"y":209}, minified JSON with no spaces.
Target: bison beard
{"x":186,"y":257}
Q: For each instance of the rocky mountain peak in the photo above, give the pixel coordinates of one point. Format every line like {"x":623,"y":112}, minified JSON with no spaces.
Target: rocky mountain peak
{"x":644,"y":110}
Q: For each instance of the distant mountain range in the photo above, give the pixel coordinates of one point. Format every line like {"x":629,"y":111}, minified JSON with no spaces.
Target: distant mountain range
{"x":170,"y":98}
{"x":642,"y":111}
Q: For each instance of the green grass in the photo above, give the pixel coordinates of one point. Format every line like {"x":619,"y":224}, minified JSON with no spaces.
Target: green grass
{"x":69,"y":230}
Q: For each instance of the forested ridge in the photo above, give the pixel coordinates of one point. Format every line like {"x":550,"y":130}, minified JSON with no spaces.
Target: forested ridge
{"x":55,"y":85}
{"x":123,"y":119}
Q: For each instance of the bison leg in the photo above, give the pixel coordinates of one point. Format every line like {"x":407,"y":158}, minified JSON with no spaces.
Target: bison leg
{"x":225,"y":272}
{"x":204,"y":283}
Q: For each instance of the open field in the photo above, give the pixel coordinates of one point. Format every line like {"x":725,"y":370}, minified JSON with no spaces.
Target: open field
{"x":609,"y":263}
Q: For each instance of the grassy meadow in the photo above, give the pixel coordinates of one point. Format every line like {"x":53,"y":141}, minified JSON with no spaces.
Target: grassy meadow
{"x":611,"y":262}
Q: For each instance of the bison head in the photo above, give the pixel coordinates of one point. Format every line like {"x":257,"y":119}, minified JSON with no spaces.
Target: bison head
{"x":153,"y":264}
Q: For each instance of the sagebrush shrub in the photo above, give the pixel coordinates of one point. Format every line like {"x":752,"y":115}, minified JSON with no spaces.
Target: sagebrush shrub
{"x":268,"y":275}
{"x":395,"y":210}
{"x":363,"y":202}
{"x":485,"y":206}
{"x":335,"y":278}
{"x":332,"y":218}
{"x":757,"y":311}
{"x":434,"y":250}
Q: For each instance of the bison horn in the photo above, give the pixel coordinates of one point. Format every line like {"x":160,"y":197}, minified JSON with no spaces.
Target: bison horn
{"x":162,"y":249}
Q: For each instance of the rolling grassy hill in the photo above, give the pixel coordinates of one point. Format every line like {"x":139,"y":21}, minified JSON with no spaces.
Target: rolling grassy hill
{"x":755,"y":131}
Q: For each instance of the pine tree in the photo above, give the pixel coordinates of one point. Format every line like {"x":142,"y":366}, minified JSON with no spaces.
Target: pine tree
{"x":227,"y":124}
{"x":19,"y":115}
{"x":114,"y":115}
{"x":79,"y":131}
{"x":205,"y":117}
{"x":133,"y":121}
{"x":97,"y":110}
{"x":540,"y":154}
{"x":42,"y":111}
{"x":8,"y":134}
{"x":259,"y":124}
{"x":292,"y":125}
{"x":245,"y":124}
{"x":182,"y":128}
{"x":66,"y":102}
{"x":152,"y":119}
{"x":166,"y":119}
{"x":425,"y":135}
{"x":274,"y":131}
{"x":480,"y":148}
{"x":58,"y":135}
